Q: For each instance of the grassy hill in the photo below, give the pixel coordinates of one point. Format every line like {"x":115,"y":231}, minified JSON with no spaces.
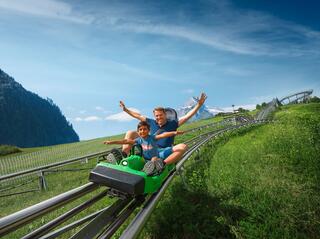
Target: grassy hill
{"x":261,"y":182}
{"x":63,"y":181}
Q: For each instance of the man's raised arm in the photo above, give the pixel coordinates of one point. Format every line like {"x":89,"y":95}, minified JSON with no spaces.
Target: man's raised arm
{"x":192,"y":112}
{"x":134,"y":114}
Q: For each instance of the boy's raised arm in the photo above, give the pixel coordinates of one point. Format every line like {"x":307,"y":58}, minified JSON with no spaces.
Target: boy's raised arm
{"x":122,"y":141}
{"x":132,"y":113}
{"x":168,"y":134}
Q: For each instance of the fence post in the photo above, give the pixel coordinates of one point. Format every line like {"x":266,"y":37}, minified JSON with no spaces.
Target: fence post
{"x":85,"y":160}
{"x":42,"y":181}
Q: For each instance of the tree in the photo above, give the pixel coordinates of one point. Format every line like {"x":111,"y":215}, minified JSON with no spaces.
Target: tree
{"x":258,"y":107}
{"x":242,"y":110}
{"x":315,"y":99}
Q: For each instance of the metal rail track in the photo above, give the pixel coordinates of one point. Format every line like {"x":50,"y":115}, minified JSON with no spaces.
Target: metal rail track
{"x":20,"y":218}
{"x":105,"y":221}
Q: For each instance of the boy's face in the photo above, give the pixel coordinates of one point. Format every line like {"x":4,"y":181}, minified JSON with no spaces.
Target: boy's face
{"x":160,"y":117}
{"x":143,"y":131}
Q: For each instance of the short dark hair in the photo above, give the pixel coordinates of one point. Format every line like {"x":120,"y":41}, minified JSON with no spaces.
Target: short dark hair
{"x":143,"y":123}
{"x":159,"y":109}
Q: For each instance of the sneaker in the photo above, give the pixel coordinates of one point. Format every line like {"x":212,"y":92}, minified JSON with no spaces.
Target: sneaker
{"x":136,"y":150}
{"x":158,"y":165}
{"x":124,"y":154}
{"x":111,"y":159}
{"x":149,"y":168}
{"x":114,"y":157}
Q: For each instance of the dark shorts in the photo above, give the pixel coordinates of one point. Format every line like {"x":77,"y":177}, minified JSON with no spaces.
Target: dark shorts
{"x":165,"y":152}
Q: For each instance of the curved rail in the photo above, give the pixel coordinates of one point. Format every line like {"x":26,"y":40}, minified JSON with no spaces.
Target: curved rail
{"x":298,"y":96}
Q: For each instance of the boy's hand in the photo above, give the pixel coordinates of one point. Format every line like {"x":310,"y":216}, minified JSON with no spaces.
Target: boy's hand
{"x":122,"y":105}
{"x":107,"y":142}
{"x":179,"y":132}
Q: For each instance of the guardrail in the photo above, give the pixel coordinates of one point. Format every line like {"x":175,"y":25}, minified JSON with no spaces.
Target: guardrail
{"x":266,"y":111}
{"x":18,"y":219}
{"x":275,"y":103}
{"x":296,"y":97}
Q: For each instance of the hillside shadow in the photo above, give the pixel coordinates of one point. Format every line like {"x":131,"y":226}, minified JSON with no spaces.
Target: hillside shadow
{"x":194,"y":214}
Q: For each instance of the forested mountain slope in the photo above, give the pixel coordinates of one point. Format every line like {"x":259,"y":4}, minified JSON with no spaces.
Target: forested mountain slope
{"x":27,"y":120}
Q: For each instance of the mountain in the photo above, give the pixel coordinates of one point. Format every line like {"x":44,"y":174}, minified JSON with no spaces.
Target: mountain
{"x":203,"y":113}
{"x":27,"y":120}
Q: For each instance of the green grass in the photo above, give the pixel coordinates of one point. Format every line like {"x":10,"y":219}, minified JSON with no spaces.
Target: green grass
{"x":199,"y":123}
{"x":8,"y":149}
{"x":63,"y":181}
{"x":261,"y":182}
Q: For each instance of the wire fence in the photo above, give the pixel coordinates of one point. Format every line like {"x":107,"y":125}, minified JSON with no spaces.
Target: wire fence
{"x":28,"y":161}
{"x":12,"y":164}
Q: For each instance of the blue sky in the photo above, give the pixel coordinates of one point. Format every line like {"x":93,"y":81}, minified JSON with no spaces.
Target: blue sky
{"x":88,"y":55}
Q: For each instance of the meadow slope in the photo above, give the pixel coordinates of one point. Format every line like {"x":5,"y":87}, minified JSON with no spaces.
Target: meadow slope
{"x":260,"y":182}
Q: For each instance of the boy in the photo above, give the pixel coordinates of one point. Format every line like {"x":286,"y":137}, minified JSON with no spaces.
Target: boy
{"x":149,"y":146}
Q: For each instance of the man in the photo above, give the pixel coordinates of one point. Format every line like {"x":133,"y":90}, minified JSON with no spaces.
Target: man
{"x":159,"y":125}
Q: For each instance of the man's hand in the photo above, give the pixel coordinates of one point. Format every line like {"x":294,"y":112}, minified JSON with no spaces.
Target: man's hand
{"x":107,"y":142}
{"x":132,"y":113}
{"x":192,"y":112}
{"x":179,"y":132}
{"x":122,"y":105}
{"x":202,"y":98}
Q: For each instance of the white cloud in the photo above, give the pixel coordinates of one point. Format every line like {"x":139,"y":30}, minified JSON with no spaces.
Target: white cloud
{"x":122,"y":116}
{"x":88,"y":119}
{"x":82,"y":112}
{"x":45,"y":8}
{"x":242,"y":40}
{"x":92,"y":118}
{"x":226,"y":28}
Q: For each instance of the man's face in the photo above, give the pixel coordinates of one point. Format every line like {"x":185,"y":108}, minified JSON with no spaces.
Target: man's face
{"x":143,"y":131}
{"x":160,"y":117}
